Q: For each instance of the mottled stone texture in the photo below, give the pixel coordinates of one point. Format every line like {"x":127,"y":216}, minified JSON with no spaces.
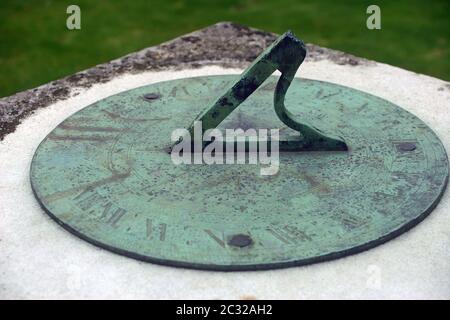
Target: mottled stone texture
{"x":226,"y":44}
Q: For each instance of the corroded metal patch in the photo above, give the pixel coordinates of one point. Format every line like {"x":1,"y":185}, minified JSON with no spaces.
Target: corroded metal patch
{"x":105,"y":175}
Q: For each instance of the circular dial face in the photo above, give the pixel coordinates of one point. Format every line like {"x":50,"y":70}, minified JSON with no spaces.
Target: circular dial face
{"x":105,"y":174}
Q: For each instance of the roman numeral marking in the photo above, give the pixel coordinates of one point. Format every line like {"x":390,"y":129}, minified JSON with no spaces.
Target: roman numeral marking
{"x":149,"y":228}
{"x":361,"y":108}
{"x":185,"y":91}
{"x":351,"y":222}
{"x":162,"y":227}
{"x":289,"y":234}
{"x":119,"y":213}
{"x":173,"y":92}
{"x":279,"y":237}
{"x":319,"y":93}
{"x":221,"y":242}
{"x":112,"y":214}
{"x":86,"y":202}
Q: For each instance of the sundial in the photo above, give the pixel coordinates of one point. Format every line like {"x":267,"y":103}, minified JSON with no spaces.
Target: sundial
{"x":354,"y":170}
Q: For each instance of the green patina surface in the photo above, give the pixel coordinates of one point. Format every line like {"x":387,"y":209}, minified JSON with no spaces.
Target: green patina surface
{"x":105,"y":174}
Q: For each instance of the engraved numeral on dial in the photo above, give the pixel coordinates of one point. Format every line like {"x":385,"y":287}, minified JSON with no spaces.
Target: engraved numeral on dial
{"x":160,"y":230}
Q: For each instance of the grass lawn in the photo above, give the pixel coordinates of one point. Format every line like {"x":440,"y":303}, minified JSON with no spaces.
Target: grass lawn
{"x":36,"y":47}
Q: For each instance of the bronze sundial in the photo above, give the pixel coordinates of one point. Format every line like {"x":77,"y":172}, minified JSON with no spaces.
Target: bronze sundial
{"x":354,"y":170}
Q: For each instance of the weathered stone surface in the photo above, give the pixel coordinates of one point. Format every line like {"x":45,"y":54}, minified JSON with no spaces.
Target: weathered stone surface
{"x":225,"y":44}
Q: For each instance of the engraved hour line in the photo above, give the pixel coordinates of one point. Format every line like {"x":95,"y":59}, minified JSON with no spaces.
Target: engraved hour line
{"x":91,"y":128}
{"x":86,"y":187}
{"x":54,"y":136}
{"x":162,"y":230}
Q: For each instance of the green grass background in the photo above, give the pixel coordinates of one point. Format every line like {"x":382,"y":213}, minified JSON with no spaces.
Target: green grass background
{"x":36,"y":47}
